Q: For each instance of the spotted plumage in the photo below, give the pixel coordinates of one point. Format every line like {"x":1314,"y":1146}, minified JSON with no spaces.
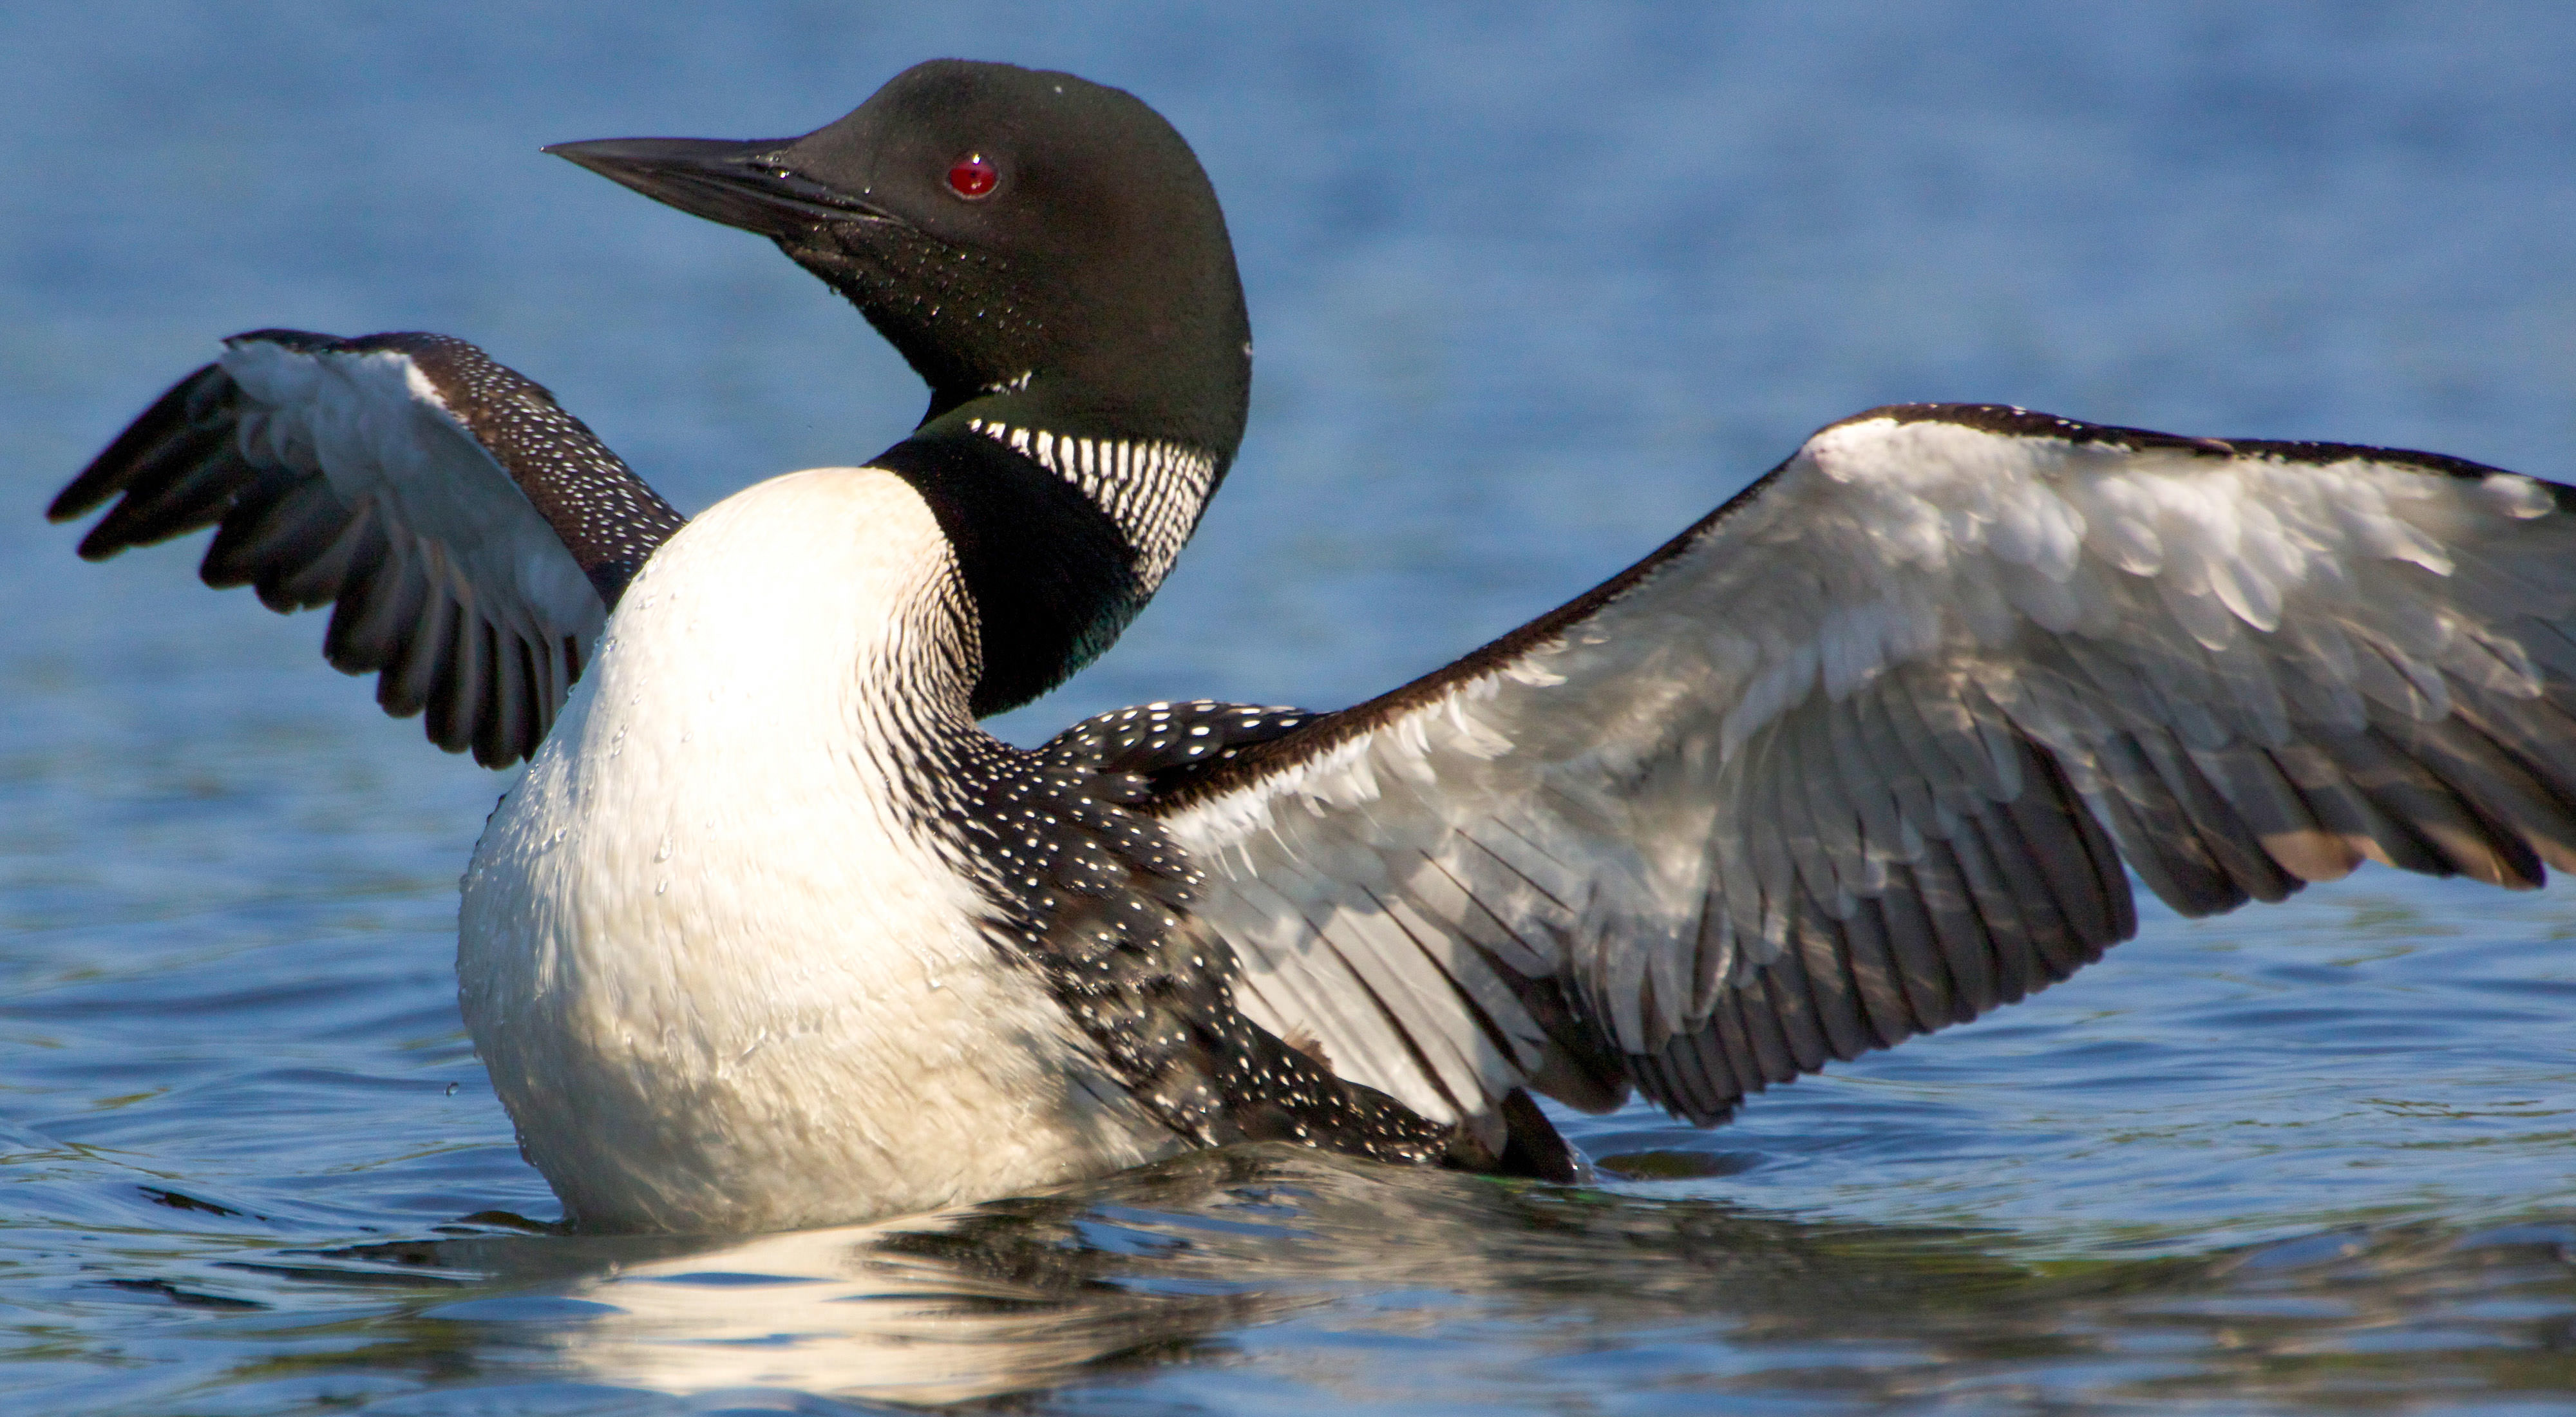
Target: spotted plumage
{"x":606,"y":516}
{"x":1169,"y":745}
{"x":1092,"y":895}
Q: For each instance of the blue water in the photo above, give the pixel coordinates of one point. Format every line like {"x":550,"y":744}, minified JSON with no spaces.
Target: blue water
{"x":1533,"y":287}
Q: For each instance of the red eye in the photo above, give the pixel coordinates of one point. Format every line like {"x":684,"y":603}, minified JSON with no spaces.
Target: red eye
{"x":972,"y":177}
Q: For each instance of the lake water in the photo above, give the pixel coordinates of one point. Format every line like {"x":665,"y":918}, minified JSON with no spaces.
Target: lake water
{"x":1533,"y":287}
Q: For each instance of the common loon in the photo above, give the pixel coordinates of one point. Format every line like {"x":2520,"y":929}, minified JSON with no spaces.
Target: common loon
{"x":771,"y":934}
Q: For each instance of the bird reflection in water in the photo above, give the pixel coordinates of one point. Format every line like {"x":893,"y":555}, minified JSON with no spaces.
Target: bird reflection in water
{"x":1185,"y":1263}
{"x":1149,"y":1267}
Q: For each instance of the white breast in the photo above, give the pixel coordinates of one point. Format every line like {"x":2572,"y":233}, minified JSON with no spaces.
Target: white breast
{"x":720,"y":977}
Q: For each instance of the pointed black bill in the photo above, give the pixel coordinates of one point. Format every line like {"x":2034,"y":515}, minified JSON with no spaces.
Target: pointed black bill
{"x":744,"y":184}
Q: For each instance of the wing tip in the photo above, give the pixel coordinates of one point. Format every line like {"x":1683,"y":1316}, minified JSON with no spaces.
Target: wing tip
{"x":179,"y":409}
{"x":175,"y":470}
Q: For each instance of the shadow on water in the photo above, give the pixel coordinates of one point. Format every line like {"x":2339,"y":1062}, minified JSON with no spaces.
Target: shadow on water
{"x":1368,"y":1285}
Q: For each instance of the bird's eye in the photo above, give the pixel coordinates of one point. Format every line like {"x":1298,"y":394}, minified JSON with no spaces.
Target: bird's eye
{"x":972,"y":177}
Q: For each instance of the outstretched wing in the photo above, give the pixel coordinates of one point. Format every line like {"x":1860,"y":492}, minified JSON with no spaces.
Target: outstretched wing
{"x":1861,"y":754}
{"x":469,"y":533}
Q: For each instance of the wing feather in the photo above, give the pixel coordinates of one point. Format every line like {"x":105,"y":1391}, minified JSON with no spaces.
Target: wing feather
{"x":469,"y":534}
{"x":1863,"y":753}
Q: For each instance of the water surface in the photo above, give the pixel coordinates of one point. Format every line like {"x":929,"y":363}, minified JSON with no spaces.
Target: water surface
{"x":1532,"y":287}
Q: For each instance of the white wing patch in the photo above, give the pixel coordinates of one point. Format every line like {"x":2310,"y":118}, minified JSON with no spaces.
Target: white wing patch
{"x":377,"y":430}
{"x":1925,"y":538}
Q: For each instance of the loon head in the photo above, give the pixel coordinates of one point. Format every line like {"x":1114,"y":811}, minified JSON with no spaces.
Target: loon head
{"x":1049,"y":256}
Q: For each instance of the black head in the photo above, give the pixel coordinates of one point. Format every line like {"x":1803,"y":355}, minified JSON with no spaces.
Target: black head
{"x":1005,"y":228}
{"x":1050,"y":257}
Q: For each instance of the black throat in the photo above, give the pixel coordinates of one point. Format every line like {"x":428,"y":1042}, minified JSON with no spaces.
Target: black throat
{"x":1051,"y":579}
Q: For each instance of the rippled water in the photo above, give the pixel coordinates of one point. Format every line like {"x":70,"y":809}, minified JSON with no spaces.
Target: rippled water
{"x":1532,"y":289}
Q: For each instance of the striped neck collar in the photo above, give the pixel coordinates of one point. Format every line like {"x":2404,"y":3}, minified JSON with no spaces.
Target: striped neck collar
{"x":1153,"y":490}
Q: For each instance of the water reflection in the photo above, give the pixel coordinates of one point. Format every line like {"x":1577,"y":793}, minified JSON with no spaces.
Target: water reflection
{"x":928,"y":1309}
{"x":1370,"y":1284}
